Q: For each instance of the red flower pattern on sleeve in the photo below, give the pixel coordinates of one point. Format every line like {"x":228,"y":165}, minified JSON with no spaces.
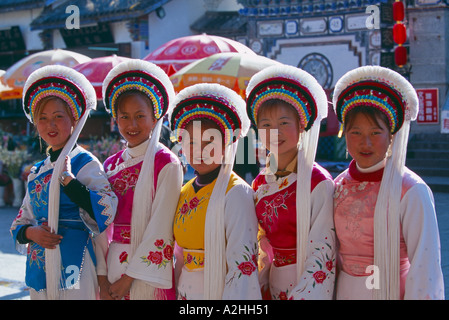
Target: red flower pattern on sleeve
{"x":160,"y":257}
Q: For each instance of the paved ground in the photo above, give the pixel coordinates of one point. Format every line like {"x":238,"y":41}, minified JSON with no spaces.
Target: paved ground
{"x":12,"y":265}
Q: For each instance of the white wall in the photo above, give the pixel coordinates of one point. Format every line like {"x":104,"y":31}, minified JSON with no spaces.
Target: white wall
{"x":23,"y":19}
{"x":343,"y":52}
{"x":180,"y":14}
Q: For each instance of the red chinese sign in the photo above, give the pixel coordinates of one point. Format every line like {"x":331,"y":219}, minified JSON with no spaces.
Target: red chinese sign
{"x":445,"y":121}
{"x":428,"y":106}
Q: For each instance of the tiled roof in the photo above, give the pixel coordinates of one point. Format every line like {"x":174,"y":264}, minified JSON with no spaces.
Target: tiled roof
{"x":94,"y":11}
{"x":15,"y":5}
{"x":221,"y":23}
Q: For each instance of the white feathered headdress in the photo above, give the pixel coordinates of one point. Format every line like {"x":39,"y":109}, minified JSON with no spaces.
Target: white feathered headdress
{"x":301,"y":90}
{"x":227,"y":109}
{"x":73,"y":88}
{"x":145,"y":77}
{"x":389,"y":92}
{"x":62,"y":82}
{"x":140,"y":75}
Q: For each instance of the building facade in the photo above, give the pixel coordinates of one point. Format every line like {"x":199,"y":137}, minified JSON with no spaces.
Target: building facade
{"x":325,"y":37}
{"x":328,"y":38}
{"x":97,"y":28}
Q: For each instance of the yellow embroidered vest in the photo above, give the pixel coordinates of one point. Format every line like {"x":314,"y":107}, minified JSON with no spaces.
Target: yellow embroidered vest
{"x":190,"y":220}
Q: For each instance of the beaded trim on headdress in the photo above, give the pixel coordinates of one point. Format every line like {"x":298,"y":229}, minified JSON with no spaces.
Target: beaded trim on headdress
{"x":61,"y":82}
{"x":372,"y":94}
{"x":214,"y":102}
{"x":142,"y":76}
{"x":292,"y":85}
{"x":377,"y":87}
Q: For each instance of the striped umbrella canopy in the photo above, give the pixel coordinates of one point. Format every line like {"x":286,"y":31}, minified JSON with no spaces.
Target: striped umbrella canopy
{"x":178,"y":53}
{"x":16,"y":75}
{"x":231,"y":69}
{"x":97,"y":69}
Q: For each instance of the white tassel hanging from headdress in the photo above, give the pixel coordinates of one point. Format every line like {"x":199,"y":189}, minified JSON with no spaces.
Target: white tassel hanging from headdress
{"x":142,"y":209}
{"x":53,"y":256}
{"x":215,"y":237}
{"x":386,"y":215}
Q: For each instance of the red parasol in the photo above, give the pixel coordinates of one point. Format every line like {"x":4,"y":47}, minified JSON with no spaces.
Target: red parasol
{"x":177,"y":53}
{"x":96,"y":70}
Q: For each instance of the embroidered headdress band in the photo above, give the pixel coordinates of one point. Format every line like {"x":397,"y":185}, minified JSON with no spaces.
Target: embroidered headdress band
{"x":377,"y":87}
{"x":214,"y":102}
{"x":292,"y":85}
{"x":141,"y":76}
{"x":61,"y":82}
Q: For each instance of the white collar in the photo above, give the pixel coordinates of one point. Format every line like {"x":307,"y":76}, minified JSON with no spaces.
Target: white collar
{"x":136,"y":151}
{"x":373,"y":168}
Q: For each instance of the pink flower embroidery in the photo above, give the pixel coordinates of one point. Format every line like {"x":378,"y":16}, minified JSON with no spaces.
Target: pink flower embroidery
{"x":283,"y":295}
{"x":159,"y":243}
{"x":278,"y":201}
{"x":123,"y":257}
{"x":271,"y":214}
{"x":47,"y":178}
{"x":329,"y":265}
{"x":249,"y":265}
{"x":119,"y":186}
{"x":38,"y":188}
{"x":184,"y":209}
{"x":155,"y":257}
{"x":319,"y":276}
{"x":247,"y":268}
{"x":19,"y":215}
{"x":270,"y":211}
{"x":168,"y":252}
{"x":34,"y":255}
{"x":161,"y":257}
{"x":193,"y":203}
{"x":132,"y":180}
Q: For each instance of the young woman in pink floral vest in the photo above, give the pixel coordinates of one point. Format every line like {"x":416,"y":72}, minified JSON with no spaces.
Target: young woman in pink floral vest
{"x":135,"y":259}
{"x":384,"y":213}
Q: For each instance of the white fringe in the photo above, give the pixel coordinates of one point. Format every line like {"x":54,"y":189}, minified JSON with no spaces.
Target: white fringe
{"x":142,"y":210}
{"x":387,"y":215}
{"x":306,"y":152}
{"x":53,"y":256}
{"x":215,"y":235}
{"x":139,"y":65}
{"x":66,"y":73}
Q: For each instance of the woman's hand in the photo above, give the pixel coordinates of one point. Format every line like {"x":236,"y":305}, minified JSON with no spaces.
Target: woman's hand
{"x":121,"y":287}
{"x":66,"y":175}
{"x":43,"y":236}
{"x":104,"y":285}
